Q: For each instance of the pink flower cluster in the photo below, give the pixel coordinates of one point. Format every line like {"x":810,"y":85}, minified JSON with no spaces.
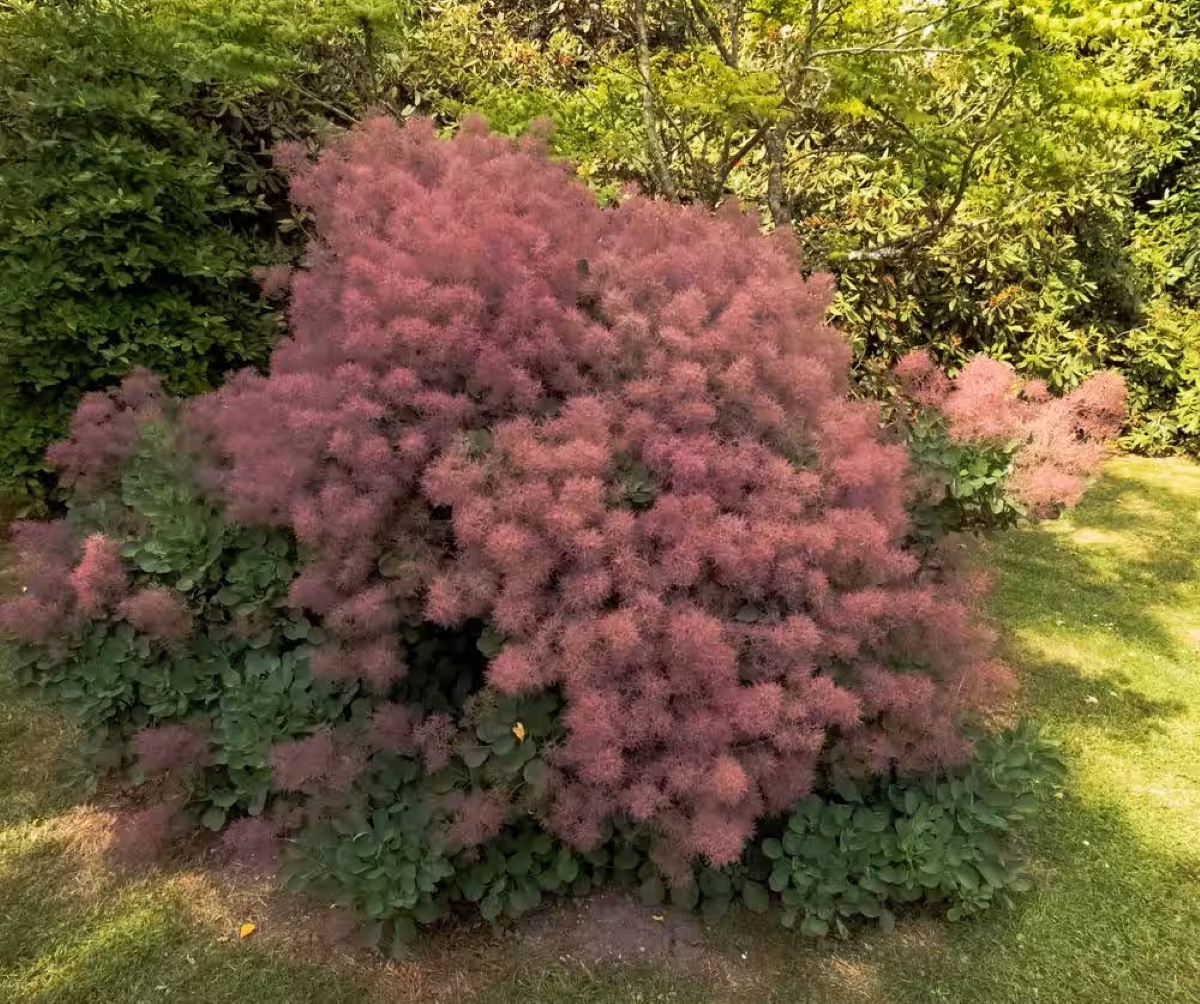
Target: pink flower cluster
{"x":160,"y":613}
{"x":315,"y":764}
{"x":104,"y":432}
{"x":46,"y":560}
{"x":1061,"y":441}
{"x":59,"y":588}
{"x":62,"y":587}
{"x":624,"y":438}
{"x":99,"y":579}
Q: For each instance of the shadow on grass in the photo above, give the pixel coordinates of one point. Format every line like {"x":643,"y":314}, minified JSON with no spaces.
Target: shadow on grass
{"x":1108,"y":701}
{"x":567,"y":984}
{"x":1094,"y":611}
{"x":1109,"y":920}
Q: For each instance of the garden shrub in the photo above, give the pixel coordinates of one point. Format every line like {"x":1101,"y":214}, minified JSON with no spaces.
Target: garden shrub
{"x":698,"y":479}
{"x":992,"y":447}
{"x":137,"y":191}
{"x":1161,"y":362}
{"x":551,"y":551}
{"x":292,"y":69}
{"x":124,"y":236}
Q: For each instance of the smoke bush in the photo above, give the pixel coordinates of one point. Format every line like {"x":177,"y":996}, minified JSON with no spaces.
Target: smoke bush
{"x":252,"y":842}
{"x":1055,"y":443}
{"x":104,"y":433}
{"x":623,"y":439}
{"x":159,"y":613}
{"x":99,"y":579}
{"x":171,"y":747}
{"x":547,"y":517}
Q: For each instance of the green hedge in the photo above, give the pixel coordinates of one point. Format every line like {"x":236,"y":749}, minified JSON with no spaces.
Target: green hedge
{"x":129,"y":222}
{"x":138,"y":194}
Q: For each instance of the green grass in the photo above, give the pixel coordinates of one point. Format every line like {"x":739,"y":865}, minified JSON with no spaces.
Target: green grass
{"x":72,"y":932}
{"x":1100,"y":614}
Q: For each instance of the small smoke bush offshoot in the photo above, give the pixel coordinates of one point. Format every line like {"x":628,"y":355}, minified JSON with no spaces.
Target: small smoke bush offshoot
{"x":1020,"y":444}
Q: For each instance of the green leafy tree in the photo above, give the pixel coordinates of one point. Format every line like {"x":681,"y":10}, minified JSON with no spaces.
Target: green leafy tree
{"x":1161,"y":351}
{"x":969,"y":170}
{"x":138,"y":193}
{"x":1167,"y":238}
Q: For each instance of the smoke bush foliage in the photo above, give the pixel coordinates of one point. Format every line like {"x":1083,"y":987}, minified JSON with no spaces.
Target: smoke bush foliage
{"x":623,"y":439}
{"x":544,"y":512}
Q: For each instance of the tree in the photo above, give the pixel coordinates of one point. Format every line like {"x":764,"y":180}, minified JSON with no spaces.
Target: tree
{"x":965,"y":168}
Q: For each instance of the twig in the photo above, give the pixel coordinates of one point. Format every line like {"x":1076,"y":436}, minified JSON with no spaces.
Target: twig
{"x":328,"y":106}
{"x":704,"y":16}
{"x":884,"y":50}
{"x":904,"y":34}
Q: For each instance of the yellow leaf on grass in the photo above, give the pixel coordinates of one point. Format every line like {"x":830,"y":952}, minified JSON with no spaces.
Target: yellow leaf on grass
{"x":247,"y":929}
{"x":519,"y":731}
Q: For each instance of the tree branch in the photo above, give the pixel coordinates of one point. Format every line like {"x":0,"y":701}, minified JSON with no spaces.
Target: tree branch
{"x":713,"y":30}
{"x":942,"y":219}
{"x":649,"y":113}
{"x":730,"y":161}
{"x":735,"y":30}
{"x":775,"y":198}
{"x":814,"y":25}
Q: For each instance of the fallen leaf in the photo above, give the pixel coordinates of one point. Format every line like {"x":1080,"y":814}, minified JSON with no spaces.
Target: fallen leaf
{"x":246,"y":929}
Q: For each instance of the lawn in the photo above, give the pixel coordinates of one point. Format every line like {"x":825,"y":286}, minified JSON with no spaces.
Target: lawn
{"x":1101,"y":614}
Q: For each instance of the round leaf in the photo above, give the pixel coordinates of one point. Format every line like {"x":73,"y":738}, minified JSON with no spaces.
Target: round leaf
{"x":213,"y":818}
{"x":475,"y":756}
{"x":814,"y":926}
{"x":756,"y":897}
